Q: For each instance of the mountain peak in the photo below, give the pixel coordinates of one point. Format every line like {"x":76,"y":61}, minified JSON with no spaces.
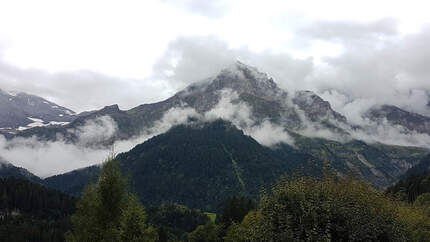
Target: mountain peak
{"x":246,"y":72}
{"x":242,"y":78}
{"x":110,"y":109}
{"x":19,"y":110}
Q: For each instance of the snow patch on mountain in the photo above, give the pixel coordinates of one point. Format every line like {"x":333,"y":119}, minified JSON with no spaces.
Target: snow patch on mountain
{"x":40,"y":123}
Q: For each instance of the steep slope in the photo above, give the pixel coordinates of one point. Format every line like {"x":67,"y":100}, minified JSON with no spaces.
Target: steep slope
{"x":201,"y":165}
{"x":26,"y":111}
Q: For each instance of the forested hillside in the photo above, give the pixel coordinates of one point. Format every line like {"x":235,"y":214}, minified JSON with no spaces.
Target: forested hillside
{"x":199,"y":166}
{"x":31,"y":212}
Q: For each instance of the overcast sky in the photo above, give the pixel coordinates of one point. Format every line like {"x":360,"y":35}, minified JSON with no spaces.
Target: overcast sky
{"x":88,"y":54}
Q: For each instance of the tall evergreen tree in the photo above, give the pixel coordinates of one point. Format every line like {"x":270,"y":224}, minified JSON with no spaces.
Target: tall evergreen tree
{"x":108,"y":212}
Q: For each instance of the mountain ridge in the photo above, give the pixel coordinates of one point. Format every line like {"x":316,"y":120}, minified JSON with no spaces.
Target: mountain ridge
{"x":199,"y":164}
{"x":19,"y":111}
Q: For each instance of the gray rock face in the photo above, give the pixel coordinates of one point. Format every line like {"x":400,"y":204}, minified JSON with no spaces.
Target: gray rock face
{"x":262,"y":94}
{"x":254,"y":88}
{"x":21,"y":109}
{"x":397,"y":116}
{"x":315,"y":107}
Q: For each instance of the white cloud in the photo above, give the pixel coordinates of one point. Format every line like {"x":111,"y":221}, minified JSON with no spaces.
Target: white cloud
{"x":45,"y":158}
{"x":95,"y":131}
{"x":240,"y":114}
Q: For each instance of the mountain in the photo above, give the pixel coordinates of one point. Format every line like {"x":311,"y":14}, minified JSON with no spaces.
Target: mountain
{"x":203,"y":163}
{"x":9,"y":170}
{"x":19,"y":111}
{"x":199,"y":165}
{"x":239,"y":83}
{"x":257,"y":90}
{"x":248,"y":92}
{"x":397,"y":116}
{"x":254,"y":98}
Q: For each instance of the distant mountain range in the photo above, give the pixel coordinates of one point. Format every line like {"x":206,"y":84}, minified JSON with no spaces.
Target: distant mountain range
{"x":214,"y":152}
{"x":20,"y":111}
{"x":241,"y":86}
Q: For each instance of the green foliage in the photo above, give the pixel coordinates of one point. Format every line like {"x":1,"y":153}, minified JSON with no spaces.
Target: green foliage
{"x":423,"y":200}
{"x":174,"y":221}
{"x":235,"y":209}
{"x":209,"y":232}
{"x":329,"y":209}
{"x":24,"y":228}
{"x":31,"y":212}
{"x":107,"y":212}
{"x":133,"y":223}
{"x":34,"y":199}
{"x":423,"y":203}
{"x":233,"y":212}
{"x":242,"y":232}
{"x":212,"y":216}
{"x":411,"y":187}
{"x":416,"y":222}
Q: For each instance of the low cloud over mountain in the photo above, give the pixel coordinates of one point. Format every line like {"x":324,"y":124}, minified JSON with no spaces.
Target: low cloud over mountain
{"x":248,"y":98}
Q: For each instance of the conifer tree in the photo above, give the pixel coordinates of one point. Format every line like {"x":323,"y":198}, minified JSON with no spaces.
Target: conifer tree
{"x":108,"y":212}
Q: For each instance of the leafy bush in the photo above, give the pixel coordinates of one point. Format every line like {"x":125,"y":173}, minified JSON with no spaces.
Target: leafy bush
{"x":330,"y":209}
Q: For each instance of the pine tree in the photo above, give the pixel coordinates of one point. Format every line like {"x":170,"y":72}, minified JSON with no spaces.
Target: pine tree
{"x":108,"y":212}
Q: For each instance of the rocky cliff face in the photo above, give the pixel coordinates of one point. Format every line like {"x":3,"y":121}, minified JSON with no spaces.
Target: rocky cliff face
{"x":262,"y":94}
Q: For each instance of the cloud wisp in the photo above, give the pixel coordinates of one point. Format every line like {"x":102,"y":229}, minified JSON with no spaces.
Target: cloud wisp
{"x":54,"y":157}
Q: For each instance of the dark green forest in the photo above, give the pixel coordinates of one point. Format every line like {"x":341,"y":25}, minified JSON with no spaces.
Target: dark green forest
{"x":298,"y":208}
{"x":211,"y":182}
{"x":31,"y":212}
